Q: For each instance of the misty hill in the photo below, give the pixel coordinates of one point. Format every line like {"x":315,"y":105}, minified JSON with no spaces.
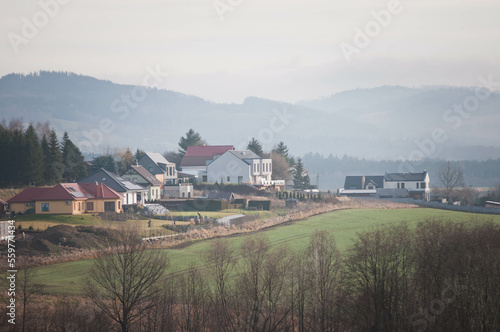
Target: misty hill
{"x":377,"y":123}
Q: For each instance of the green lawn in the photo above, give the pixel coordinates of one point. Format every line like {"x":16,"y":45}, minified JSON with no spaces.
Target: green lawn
{"x":65,"y":278}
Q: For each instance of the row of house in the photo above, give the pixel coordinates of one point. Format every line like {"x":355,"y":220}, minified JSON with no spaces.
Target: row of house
{"x":151,"y":179}
{"x":390,"y":185}
{"x":104,"y":191}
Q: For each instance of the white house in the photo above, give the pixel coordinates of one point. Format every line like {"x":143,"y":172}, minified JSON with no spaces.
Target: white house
{"x":160,"y":167}
{"x":239,"y":166}
{"x":416,"y":184}
{"x":138,"y":174}
{"x":194,"y":161}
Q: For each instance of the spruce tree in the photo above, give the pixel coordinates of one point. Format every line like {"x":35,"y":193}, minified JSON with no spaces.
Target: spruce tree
{"x":72,"y":160}
{"x":192,"y":138}
{"x":6,"y":166}
{"x":281,"y":149}
{"x":18,"y":158}
{"x":300,"y":179}
{"x":255,"y":147}
{"x":45,"y":160}
{"x":55,"y":167}
{"x":33,"y":166}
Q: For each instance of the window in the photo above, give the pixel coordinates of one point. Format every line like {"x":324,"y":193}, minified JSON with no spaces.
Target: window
{"x":423,"y":185}
{"x":110,"y":206}
{"x":240,"y":179}
{"x":370,"y":187}
{"x":398,"y":185}
{"x":228,"y":178}
{"x":79,"y":206}
{"x":90,"y":206}
{"x":417,"y":185}
{"x":45,"y":207}
{"x":402,"y":185}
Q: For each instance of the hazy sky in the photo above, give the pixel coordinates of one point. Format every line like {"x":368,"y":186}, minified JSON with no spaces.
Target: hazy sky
{"x":283,"y":50}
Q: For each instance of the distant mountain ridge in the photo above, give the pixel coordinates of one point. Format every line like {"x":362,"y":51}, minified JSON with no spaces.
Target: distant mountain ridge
{"x":385,"y":122}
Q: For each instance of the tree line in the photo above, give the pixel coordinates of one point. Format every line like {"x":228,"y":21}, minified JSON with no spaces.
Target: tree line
{"x":439,"y":276}
{"x":35,"y":157}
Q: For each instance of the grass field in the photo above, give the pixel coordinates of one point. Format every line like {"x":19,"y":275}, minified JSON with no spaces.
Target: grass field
{"x":42,"y":222}
{"x":66,"y":278}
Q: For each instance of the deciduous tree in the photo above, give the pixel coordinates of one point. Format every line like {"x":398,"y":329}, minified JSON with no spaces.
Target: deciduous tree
{"x":125,"y":283}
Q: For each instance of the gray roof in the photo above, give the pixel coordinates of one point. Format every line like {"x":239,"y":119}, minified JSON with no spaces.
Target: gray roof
{"x":157,"y":157}
{"x":405,"y":176}
{"x":146,"y":175}
{"x":360,"y":181}
{"x":112,"y":180}
{"x":244,"y":155}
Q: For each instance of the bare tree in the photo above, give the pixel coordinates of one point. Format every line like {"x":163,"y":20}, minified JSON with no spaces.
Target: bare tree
{"x":261,"y":282}
{"x":28,"y":287}
{"x":124,"y":284}
{"x":281,"y":169}
{"x":322,"y":265}
{"x":451,"y":177}
{"x":221,"y":261}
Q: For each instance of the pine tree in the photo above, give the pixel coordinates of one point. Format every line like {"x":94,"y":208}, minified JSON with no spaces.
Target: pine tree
{"x":33,"y":166}
{"x":72,"y":159}
{"x":54,"y":165}
{"x":138,"y":155}
{"x":6,"y":166}
{"x":281,"y":149}
{"x":255,"y":147}
{"x":45,"y":160}
{"x":300,"y":179}
{"x":18,"y":158}
{"x":192,"y":138}
{"x":107,"y":162}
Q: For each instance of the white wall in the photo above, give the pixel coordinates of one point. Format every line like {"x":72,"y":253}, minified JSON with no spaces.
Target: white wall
{"x":230,"y":166}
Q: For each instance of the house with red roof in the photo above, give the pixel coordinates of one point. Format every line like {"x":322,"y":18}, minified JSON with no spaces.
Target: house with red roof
{"x":195,"y":159}
{"x":67,"y":198}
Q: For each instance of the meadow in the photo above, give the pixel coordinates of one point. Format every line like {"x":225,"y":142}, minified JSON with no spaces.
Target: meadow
{"x":66,"y":278}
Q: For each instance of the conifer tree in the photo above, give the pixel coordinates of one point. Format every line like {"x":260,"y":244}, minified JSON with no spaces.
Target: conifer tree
{"x":192,"y":138}
{"x":255,"y":147}
{"x":54,"y":165}
{"x":300,"y":179}
{"x":72,"y":160}
{"x":33,"y":165}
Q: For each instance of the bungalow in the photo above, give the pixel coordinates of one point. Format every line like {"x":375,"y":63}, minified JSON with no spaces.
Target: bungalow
{"x":160,"y":167}
{"x":132,"y":193}
{"x":138,"y":174}
{"x":194,"y":161}
{"x":239,"y":166}
{"x":67,"y":198}
{"x":362,"y":185}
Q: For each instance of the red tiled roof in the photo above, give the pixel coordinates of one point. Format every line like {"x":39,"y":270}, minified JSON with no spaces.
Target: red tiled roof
{"x":198,"y":155}
{"x":29,"y":195}
{"x":66,"y":192}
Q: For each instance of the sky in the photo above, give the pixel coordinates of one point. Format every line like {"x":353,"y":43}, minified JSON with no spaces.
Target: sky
{"x":226,"y":50}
